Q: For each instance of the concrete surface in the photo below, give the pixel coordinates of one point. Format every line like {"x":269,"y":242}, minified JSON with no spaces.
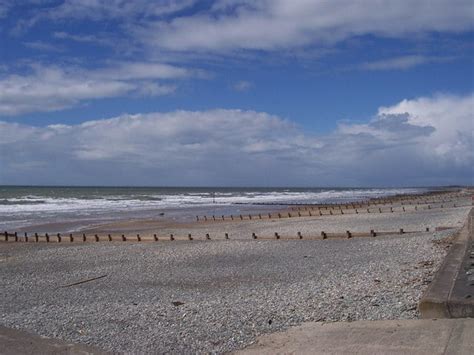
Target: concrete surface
{"x":420,"y":336}
{"x":451,"y":293}
{"x":13,"y":341}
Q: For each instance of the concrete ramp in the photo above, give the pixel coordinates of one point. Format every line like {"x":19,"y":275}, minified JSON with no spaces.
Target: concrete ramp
{"x":430,"y":337}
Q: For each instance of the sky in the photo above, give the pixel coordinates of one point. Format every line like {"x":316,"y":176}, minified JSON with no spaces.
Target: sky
{"x":304,"y":93}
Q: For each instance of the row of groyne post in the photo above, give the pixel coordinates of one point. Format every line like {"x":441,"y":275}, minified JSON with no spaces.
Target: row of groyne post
{"x":334,"y":209}
{"x":155,"y":237}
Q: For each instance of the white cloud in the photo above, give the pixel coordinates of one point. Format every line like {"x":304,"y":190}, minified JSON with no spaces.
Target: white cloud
{"x":415,"y":142}
{"x":43,"y":46}
{"x":53,"y":88}
{"x":279,"y":24}
{"x":242,"y":85}
{"x":402,"y":63}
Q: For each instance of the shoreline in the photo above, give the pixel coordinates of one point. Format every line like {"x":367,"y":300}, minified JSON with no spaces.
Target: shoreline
{"x":186,"y":217}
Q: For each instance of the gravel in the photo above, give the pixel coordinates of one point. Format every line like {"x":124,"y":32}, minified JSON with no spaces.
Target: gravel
{"x":216,"y":296}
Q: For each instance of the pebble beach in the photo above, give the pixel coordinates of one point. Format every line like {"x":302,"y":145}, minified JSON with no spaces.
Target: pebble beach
{"x":217,"y":296}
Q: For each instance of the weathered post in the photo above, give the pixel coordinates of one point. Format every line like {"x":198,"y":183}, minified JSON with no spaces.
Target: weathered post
{"x":59,"y":237}
{"x":401,"y":231}
{"x":83,"y":237}
{"x":96,"y":237}
{"x":171,"y":237}
{"x":36,"y":238}
{"x":155,"y":237}
{"x":324,"y":235}
{"x":110,"y":237}
{"x":372,"y":233}
{"x":208,"y":237}
{"x":6,"y":236}
{"x":26,"y":237}
{"x":16,"y":236}
{"x":254,"y":236}
{"x":300,"y":236}
{"x":277,"y":236}
{"x":47,"y":237}
{"x":226,"y":235}
{"x":71,"y":238}
{"x":349,"y":234}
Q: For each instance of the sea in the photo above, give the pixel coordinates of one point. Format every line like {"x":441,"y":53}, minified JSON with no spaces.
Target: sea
{"x":29,"y":208}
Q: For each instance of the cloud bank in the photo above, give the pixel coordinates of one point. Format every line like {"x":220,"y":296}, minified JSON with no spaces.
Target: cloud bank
{"x":51,"y":88}
{"x":280,"y":24}
{"x":423,"y":141}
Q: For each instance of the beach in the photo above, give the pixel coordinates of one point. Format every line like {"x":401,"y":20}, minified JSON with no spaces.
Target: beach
{"x":219,"y":295}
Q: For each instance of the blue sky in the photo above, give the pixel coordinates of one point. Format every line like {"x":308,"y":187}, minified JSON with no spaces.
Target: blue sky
{"x":297,"y":92}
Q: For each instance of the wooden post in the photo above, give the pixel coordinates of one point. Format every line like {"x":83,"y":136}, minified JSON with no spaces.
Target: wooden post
{"x":391,"y":209}
{"x":155,"y":237}
{"x":254,"y":236}
{"x":231,"y":217}
{"x":226,"y":235}
{"x":16,"y":236}
{"x":250,"y":216}
{"x":241,"y":218}
{"x":71,"y":238}
{"x":190,"y":237}
{"x":47,"y":237}
{"x":223,"y":217}
{"x":26,"y":237}
{"x":310,"y":213}
{"x":197,"y":218}
{"x":207,"y":236}
{"x":213,"y":217}
{"x":372,"y":233}
{"x":36,"y":238}
{"x":357,"y":212}
{"x":401,"y":231}
{"x":324,"y":235}
{"x":330,"y":212}
{"x":320,"y":213}
{"x":289,"y":215}
{"x":403,"y":208}
{"x":83,"y":237}
{"x":59,"y":237}
{"x":349,"y":234}
{"x":96,"y":237}
{"x":427,"y":229}
{"x":205,"y":218}
{"x":110,"y":237}
{"x":277,"y":236}
{"x":6,"y":236}
{"x":269,"y":216}
{"x":171,"y":237}
{"x":380,"y":210}
{"x":300,"y":236}
{"x":279,"y":215}
{"x":259,"y":216}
